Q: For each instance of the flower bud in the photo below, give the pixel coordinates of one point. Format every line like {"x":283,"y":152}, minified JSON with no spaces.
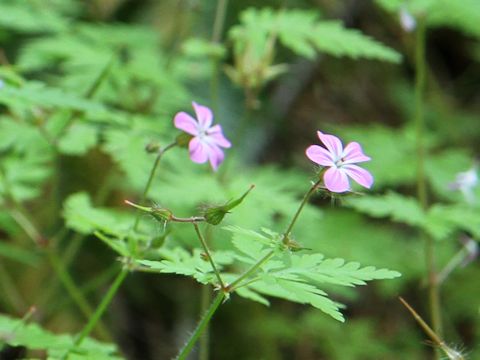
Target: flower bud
{"x":215,"y":214}
{"x":160,"y":214}
{"x":152,"y":147}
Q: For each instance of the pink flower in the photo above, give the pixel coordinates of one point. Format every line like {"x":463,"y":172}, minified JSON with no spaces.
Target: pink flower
{"x":207,"y":141}
{"x":340,"y":162}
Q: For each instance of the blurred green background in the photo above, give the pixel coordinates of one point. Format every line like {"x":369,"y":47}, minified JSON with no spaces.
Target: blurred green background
{"x":153,"y":58}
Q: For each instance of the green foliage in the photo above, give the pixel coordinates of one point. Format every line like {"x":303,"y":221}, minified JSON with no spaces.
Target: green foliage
{"x":303,"y":33}
{"x":181,"y":262}
{"x":36,"y":16}
{"x":298,"y":277}
{"x":440,"y":220}
{"x":16,"y":332}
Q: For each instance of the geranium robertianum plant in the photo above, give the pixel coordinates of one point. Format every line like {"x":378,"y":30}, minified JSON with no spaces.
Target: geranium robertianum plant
{"x":259,"y":263}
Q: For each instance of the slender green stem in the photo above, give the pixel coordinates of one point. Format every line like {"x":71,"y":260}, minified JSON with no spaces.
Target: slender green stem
{"x":420,"y":82}
{"x":107,"y":299}
{"x":299,"y":210}
{"x":150,"y":180}
{"x":437,"y":340}
{"x":250,"y":271}
{"x":75,"y":293}
{"x":219,"y":20}
{"x":217,"y":38}
{"x":201,"y":326}
{"x":209,"y":255}
{"x":203,"y":346}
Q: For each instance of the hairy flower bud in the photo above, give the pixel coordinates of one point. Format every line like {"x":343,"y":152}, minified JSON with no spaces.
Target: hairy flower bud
{"x":215,"y":214}
{"x":160,"y":214}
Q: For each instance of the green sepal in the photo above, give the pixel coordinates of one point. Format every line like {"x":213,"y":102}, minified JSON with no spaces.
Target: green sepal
{"x":215,"y":214}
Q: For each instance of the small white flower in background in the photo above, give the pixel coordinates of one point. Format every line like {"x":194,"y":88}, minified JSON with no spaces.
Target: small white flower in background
{"x":407,"y":21}
{"x":2,"y":83}
{"x":465,"y":182}
{"x":471,"y":248}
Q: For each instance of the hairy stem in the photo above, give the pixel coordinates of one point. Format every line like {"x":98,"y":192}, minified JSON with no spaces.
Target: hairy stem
{"x":420,"y":81}
{"x":107,"y":299}
{"x":299,"y":210}
{"x":209,"y":255}
{"x":201,"y":326}
{"x":204,"y":350}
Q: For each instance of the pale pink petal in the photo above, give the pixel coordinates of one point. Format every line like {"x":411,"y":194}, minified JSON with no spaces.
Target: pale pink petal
{"x":198,"y":151}
{"x":216,"y":134}
{"x":333,"y":144}
{"x":204,"y":115}
{"x":215,"y":156}
{"x":185,"y":122}
{"x":336,"y":180}
{"x":353,"y":153}
{"x":361,"y":176}
{"x":319,"y":155}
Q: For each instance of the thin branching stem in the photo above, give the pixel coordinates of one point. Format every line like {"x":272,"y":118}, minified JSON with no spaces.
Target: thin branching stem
{"x":201,"y":327}
{"x":420,"y":82}
{"x":150,"y":180}
{"x":300,"y":208}
{"x":102,"y":307}
{"x":209,"y":255}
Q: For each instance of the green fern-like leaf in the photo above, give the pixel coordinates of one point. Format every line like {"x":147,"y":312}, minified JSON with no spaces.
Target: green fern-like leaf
{"x":16,"y":332}
{"x":181,"y":262}
{"x":395,"y":206}
{"x":304,"y":34}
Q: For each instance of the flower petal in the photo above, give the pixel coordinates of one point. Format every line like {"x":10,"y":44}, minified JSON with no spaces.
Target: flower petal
{"x":360,"y":175}
{"x":198,"y":150}
{"x":215,"y":156}
{"x":333,"y":144}
{"x":353,"y":153}
{"x":336,"y":180}
{"x":204,"y":115}
{"x":216,"y":134}
{"x":319,"y":155}
{"x":185,"y":122}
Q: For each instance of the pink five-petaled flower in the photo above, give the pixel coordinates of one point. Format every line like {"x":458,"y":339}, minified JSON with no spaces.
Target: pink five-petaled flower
{"x":340,"y":162}
{"x":207,"y":141}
